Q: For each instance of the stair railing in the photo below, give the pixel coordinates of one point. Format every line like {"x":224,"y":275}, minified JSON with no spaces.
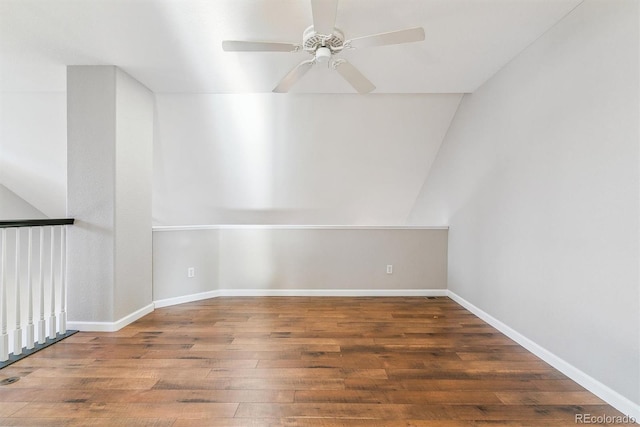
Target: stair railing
{"x":35,"y":283}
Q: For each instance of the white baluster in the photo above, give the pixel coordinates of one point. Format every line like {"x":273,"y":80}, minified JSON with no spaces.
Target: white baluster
{"x":63,"y":284}
{"x":52,"y":318}
{"x":4,"y":337}
{"x":30,"y":329}
{"x":42,"y":336}
{"x":17,"y":334}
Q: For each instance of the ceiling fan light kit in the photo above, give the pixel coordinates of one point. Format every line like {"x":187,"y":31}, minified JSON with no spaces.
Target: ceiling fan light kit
{"x":322,"y":40}
{"x":322,"y":55}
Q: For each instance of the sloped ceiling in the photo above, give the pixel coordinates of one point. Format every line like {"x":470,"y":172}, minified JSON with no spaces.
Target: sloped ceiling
{"x":175,"y":45}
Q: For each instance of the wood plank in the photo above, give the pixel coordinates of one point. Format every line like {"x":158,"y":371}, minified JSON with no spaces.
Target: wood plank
{"x":441,"y":384}
{"x":179,"y":361}
{"x":88,"y":422}
{"x":85,"y":383}
{"x":110,"y":372}
{"x":267,"y":345}
{"x":148,"y":396}
{"x":362,"y":411}
{"x":548,"y":398}
{"x":278,"y":383}
{"x":126,"y":410}
{"x":9,"y":408}
{"x":224,"y":355}
{"x":226,"y":422}
{"x":354,"y":362}
{"x":398,"y":397}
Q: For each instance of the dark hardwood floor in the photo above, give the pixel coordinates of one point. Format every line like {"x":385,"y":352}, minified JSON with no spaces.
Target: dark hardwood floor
{"x":294,"y":361}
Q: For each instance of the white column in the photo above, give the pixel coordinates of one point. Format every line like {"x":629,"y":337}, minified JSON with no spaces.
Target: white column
{"x":109,"y":146}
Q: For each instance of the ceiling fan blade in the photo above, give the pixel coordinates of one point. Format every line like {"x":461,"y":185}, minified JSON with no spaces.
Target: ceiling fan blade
{"x":293,"y":76}
{"x":248,"y":46}
{"x":324,"y":15}
{"x":355,"y":78}
{"x":394,"y":37}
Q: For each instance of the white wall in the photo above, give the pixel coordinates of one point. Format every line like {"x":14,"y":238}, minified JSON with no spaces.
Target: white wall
{"x":33,"y":149}
{"x":319,"y":260}
{"x":294,"y":159}
{"x":13,"y":206}
{"x":91,"y":167}
{"x":133,"y":163}
{"x":538,"y":179}
{"x":110,"y":122}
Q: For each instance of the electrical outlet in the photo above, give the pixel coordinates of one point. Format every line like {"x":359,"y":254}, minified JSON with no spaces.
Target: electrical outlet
{"x":191,"y":272}
{"x":389,"y":269}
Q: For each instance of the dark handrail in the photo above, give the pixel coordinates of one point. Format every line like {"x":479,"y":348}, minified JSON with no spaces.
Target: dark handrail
{"x":35,"y":222}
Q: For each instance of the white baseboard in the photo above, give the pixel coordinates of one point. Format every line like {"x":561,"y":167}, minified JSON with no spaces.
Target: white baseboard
{"x":186,"y":298}
{"x":332,"y":292}
{"x":301,"y":293}
{"x":605,"y":393}
{"x":115,"y":326}
{"x":110,"y":326}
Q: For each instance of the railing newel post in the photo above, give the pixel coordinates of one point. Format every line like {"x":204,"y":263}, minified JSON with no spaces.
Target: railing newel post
{"x":30,"y":330}
{"x":52,"y":282}
{"x":63,"y":284}
{"x":42,"y":336}
{"x":17,"y":333}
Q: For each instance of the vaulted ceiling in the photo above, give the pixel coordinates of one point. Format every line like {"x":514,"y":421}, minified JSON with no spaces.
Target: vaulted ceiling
{"x":224,"y":150}
{"x":174,"y":46}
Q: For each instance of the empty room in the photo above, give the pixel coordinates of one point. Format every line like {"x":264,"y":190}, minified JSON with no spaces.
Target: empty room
{"x":319,"y":212}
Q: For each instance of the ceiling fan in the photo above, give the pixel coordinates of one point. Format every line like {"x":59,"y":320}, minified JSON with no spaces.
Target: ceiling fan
{"x":323,"y":41}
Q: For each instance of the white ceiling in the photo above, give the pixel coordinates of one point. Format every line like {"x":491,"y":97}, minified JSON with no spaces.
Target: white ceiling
{"x":174,"y":46}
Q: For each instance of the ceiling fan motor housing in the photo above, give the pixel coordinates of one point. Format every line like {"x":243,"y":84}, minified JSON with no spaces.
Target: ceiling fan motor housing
{"x":312,"y":41}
